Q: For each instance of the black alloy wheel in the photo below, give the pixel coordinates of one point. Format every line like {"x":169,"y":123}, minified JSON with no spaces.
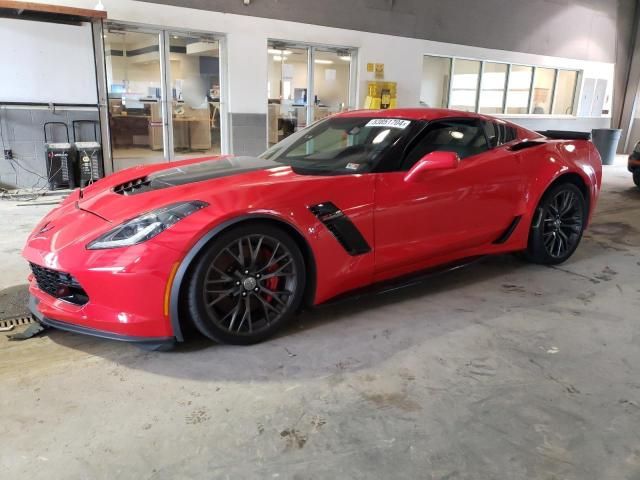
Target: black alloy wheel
{"x":559,"y":223}
{"x":247,"y":285}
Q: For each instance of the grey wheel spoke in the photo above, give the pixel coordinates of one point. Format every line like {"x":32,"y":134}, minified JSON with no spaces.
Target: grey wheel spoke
{"x":244,"y":317}
{"x":568,"y":203}
{"x":267,"y":304}
{"x":278,"y":271}
{"x":236,"y":312}
{"x":254,"y":253}
{"x":241,"y":252}
{"x":220,"y":297}
{"x":563,"y":236}
{"x":271,"y":262}
{"x":235,"y":257}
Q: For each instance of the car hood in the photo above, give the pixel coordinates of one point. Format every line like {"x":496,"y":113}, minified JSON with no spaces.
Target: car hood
{"x":129,"y":193}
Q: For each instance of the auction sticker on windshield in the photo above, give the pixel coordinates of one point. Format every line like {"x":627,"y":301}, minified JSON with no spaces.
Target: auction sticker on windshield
{"x":388,"y":122}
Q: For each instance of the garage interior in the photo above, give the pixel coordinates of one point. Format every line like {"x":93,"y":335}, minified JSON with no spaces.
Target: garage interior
{"x":499,"y":370}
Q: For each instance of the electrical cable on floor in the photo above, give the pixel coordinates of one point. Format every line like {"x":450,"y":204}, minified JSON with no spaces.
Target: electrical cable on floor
{"x":31,"y":194}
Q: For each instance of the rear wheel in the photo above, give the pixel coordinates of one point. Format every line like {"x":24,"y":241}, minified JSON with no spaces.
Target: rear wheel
{"x":247,"y":284}
{"x":558,"y":225}
{"x":636,"y":178}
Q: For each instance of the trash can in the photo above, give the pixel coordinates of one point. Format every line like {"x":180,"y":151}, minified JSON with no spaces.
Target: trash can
{"x":60,"y":159}
{"x":606,"y":142}
{"x":89,"y":166}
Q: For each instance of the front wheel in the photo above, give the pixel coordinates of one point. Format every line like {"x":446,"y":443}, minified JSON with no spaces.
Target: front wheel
{"x":636,"y":178}
{"x":559,"y":222}
{"x":248,"y":283}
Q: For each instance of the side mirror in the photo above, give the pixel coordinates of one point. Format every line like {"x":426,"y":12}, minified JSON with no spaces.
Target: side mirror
{"x":432,"y":161}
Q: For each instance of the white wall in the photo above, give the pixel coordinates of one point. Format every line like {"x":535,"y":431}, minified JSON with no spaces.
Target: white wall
{"x":247,"y":43}
{"x":46,"y":62}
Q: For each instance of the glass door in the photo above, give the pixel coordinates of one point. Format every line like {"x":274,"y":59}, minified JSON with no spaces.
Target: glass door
{"x":194,"y":94}
{"x":331,"y":81}
{"x":288,"y":79}
{"x":306,"y":84}
{"x":135,"y":94}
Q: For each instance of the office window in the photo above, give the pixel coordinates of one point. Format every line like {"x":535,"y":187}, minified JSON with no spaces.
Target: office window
{"x":519,"y":89}
{"x":543,"y":81}
{"x":494,"y":77}
{"x":565,"y":92}
{"x":434,"y":91}
{"x":464,"y":85}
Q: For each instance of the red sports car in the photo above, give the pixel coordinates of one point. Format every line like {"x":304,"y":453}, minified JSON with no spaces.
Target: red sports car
{"x":237,"y":245}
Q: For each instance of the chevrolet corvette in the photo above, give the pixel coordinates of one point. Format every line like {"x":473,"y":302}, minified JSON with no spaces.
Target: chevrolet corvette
{"x":237,"y":245}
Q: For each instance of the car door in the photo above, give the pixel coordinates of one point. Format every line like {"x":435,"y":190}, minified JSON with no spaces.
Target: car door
{"x":449,"y":211}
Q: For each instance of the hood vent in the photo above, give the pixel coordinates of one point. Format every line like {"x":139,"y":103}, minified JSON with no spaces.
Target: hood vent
{"x":132,"y":187}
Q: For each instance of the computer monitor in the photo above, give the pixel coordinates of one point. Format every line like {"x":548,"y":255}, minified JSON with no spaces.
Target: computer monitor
{"x":299,"y":96}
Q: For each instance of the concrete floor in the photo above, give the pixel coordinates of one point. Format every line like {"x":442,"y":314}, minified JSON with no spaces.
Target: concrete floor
{"x":501,"y":371}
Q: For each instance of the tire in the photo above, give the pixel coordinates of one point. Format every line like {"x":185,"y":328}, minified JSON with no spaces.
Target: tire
{"x":636,"y":178}
{"x":246,"y":285}
{"x":558,"y":225}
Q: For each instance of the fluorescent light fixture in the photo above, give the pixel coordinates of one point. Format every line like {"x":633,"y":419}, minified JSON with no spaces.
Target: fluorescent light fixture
{"x":277,"y":58}
{"x":323,"y":62}
{"x":346,"y":58}
{"x":275,"y":51}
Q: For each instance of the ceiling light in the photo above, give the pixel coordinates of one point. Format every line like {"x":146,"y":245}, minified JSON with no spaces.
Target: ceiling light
{"x":381,"y":136}
{"x":323,"y":62}
{"x":275,"y":51}
{"x":346,"y":58}
{"x":277,"y":58}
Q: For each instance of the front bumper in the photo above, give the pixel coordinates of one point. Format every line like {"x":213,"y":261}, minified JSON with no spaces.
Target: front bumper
{"x":633,"y":163}
{"x":149,"y":343}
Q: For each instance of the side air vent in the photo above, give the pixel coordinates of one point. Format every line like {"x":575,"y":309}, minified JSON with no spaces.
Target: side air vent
{"x":341,"y":227}
{"x":132,"y":187}
{"x":525,"y":144}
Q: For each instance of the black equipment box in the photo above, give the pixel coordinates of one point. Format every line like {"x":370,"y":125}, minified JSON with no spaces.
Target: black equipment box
{"x":89,"y":166}
{"x":60,"y":160}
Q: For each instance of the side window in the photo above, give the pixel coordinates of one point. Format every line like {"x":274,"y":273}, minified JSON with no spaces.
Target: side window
{"x":498,"y":133}
{"x":493,"y":133}
{"x":464,"y":137}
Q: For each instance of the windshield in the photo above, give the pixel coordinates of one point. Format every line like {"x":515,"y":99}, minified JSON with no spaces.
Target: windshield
{"x":339,"y":145}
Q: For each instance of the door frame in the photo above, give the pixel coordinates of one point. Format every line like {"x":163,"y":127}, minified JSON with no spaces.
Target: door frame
{"x":163,"y":32}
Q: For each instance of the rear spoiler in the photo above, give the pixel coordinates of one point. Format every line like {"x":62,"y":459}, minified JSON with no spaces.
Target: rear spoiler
{"x":565,"y":135}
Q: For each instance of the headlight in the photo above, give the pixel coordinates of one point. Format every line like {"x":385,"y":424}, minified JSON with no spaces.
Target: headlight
{"x":636,"y":149}
{"x":146,"y":226}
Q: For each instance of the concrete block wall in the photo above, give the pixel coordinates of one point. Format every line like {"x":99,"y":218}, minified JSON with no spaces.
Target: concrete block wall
{"x":249,"y":133}
{"x":22,"y":132}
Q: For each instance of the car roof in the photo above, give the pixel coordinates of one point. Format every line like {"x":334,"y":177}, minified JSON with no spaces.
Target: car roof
{"x":414,"y":113}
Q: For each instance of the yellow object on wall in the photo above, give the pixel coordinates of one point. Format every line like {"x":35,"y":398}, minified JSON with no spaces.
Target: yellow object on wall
{"x":381,"y":95}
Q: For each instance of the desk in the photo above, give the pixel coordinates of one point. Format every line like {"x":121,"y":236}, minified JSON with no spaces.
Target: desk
{"x":125,"y":129}
{"x":197,"y":135}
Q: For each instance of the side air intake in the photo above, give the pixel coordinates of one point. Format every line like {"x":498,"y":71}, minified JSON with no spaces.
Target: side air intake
{"x":341,"y":227}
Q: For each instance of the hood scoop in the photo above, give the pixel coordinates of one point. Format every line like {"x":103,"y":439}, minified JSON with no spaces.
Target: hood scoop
{"x":195,"y":172}
{"x":132,"y":187}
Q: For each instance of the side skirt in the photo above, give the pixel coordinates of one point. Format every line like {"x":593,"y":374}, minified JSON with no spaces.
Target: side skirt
{"x":405,"y":281}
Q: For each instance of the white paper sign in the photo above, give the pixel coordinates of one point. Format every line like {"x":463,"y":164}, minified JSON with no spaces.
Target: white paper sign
{"x":329,"y":74}
{"x":388,"y":122}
